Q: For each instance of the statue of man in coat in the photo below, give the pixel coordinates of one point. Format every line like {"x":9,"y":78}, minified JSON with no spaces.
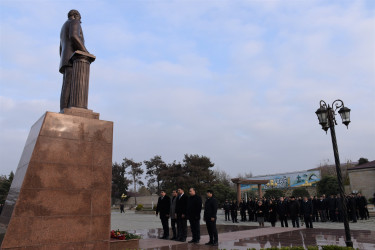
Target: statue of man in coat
{"x":71,"y":39}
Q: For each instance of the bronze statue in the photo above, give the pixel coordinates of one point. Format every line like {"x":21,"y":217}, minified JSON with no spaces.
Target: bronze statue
{"x":71,"y":41}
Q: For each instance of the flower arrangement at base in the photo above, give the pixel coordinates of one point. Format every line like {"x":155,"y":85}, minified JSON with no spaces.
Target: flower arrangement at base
{"x":123,"y":235}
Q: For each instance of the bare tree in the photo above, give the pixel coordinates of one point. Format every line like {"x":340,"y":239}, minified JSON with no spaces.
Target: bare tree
{"x":135,"y":172}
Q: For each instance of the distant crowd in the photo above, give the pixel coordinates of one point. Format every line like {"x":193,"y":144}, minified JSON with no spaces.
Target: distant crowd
{"x":307,"y":210}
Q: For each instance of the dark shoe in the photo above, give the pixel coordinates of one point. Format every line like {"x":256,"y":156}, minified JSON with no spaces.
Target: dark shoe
{"x":209,"y":243}
{"x":162,"y":238}
{"x":182,"y":240}
{"x":173,"y":238}
{"x":191,"y":241}
{"x":214,"y":244}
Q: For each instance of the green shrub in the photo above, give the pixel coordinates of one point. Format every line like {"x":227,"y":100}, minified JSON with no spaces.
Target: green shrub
{"x":139,"y":207}
{"x":333,"y":247}
{"x":275,"y":193}
{"x":300,"y":192}
{"x":328,"y":185}
{"x":312,"y":248}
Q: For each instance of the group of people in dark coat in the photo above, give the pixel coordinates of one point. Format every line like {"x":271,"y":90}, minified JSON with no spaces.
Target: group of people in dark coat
{"x":307,"y":210}
{"x":330,"y":209}
{"x":182,"y":208}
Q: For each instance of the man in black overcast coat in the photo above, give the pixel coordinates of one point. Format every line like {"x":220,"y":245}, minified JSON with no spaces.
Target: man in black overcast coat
{"x":173,"y":214}
{"x":210,"y":211}
{"x":181,"y":208}
{"x":282,"y":210}
{"x":163,"y":208}
{"x":194,"y":215}
{"x":332,"y":206}
{"x":307,"y":211}
{"x":294,"y":211}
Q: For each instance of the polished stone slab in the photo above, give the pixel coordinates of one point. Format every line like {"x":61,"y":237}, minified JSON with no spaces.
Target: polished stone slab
{"x":267,"y":237}
{"x":60,"y":196}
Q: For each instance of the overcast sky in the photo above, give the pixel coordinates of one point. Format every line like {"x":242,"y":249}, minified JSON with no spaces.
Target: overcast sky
{"x":237,"y":81}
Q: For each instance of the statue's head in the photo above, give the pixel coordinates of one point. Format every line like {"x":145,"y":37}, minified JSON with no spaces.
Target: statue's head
{"x":74,"y":14}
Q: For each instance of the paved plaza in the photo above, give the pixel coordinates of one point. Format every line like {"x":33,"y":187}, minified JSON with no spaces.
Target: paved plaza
{"x":244,"y":235}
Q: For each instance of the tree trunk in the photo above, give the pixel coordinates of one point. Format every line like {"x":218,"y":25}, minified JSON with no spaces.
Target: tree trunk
{"x":135,"y":191}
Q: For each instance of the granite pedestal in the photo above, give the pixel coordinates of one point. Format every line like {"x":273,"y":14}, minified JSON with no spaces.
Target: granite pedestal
{"x":60,"y":195}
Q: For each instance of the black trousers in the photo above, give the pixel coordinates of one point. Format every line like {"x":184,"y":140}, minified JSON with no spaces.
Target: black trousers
{"x":212,"y":230}
{"x":66,"y":86}
{"x":234,"y":216}
{"x":362,"y":213}
{"x":243,"y":215}
{"x":173,"y":225}
{"x":227,"y":215}
{"x":308,"y":221}
{"x":164,"y":222}
{"x":195,"y":229}
{"x":283,"y":220}
{"x":295,"y":221}
{"x":181,"y":229}
{"x":332,"y":215}
{"x":323,"y":216}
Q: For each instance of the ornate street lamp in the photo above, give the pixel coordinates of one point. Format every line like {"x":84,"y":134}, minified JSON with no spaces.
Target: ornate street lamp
{"x":326,"y":117}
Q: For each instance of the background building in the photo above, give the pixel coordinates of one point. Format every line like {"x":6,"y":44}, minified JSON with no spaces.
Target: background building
{"x":362,"y":179}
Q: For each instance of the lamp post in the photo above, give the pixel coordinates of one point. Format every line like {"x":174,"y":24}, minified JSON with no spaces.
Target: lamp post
{"x":326,"y":116}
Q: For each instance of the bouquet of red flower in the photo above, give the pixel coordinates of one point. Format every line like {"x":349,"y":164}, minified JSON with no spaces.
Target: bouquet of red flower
{"x":123,"y":235}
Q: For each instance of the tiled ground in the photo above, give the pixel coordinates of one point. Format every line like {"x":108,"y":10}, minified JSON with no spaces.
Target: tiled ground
{"x":271,"y":237}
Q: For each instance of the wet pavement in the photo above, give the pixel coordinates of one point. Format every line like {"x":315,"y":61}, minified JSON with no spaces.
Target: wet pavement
{"x":158,"y":232}
{"x":243,"y":237}
{"x":362,"y":239}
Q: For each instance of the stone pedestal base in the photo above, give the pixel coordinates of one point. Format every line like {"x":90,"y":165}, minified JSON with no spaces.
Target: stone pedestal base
{"x":60,"y":195}
{"x":88,"y":113}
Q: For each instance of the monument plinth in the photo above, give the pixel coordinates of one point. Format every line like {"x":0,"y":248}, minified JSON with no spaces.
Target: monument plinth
{"x":60,"y":195}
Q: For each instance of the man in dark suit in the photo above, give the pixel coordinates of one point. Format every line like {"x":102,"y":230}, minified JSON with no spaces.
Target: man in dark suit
{"x":173,"y":214}
{"x":282,"y":210}
{"x":227,"y":206}
{"x":181,"y":208}
{"x":71,"y":39}
{"x":233,"y":210}
{"x":194,"y":209}
{"x":210,"y":211}
{"x":294,"y":211}
{"x":163,"y":208}
{"x":332,"y":206}
{"x":307,"y":211}
{"x":322,"y":207}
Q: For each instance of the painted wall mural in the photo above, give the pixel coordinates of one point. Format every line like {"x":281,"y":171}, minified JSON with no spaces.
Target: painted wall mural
{"x":287,"y":180}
